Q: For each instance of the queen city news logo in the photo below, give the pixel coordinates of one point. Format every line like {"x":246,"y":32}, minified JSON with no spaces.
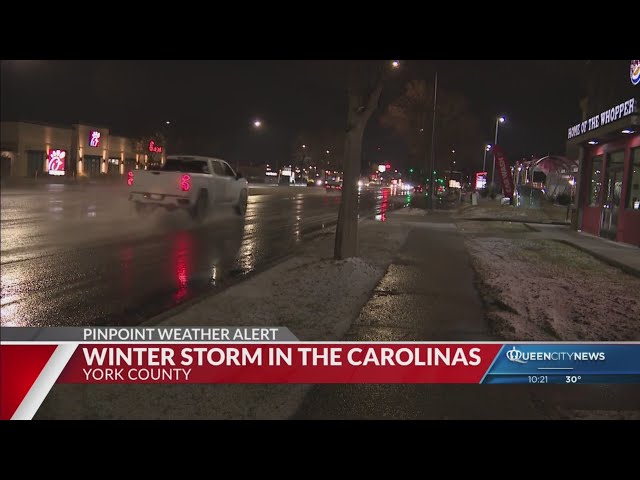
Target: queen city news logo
{"x":635,"y":72}
{"x":518,"y":356}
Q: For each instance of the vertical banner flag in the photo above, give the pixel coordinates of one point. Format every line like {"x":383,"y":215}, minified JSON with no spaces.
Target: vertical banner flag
{"x":504,"y":172}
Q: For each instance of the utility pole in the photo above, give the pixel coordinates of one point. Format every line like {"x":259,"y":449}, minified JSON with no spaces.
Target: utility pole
{"x":433,"y":147}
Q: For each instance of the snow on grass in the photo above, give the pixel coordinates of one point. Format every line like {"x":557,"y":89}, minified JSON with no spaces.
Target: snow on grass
{"x":493,"y":210}
{"x":545,"y":290}
{"x":317,"y":298}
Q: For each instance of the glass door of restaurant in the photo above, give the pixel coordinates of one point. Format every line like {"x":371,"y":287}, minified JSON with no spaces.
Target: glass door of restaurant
{"x":612,"y":194}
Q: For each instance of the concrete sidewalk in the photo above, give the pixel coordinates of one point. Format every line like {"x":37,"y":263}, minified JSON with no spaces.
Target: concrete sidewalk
{"x":428,"y":292}
{"x":621,"y":255}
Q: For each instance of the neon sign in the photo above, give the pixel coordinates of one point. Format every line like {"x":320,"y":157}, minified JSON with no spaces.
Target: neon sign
{"x":153,"y":148}
{"x":55,"y":162}
{"x":94,"y":138}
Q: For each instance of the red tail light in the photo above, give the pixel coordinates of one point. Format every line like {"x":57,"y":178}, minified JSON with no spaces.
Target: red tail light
{"x":130,"y":178}
{"x":185,"y":183}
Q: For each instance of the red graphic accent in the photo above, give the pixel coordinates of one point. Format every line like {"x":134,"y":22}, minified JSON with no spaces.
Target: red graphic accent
{"x":214,"y":363}
{"x":154,"y":148}
{"x":20,"y":366}
{"x":504,"y":171}
{"x":130,"y":178}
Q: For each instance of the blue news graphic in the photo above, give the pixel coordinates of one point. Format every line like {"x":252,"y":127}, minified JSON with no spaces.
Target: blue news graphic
{"x":565,"y":363}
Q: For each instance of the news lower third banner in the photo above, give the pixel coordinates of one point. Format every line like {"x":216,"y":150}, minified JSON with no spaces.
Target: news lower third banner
{"x":33,"y":360}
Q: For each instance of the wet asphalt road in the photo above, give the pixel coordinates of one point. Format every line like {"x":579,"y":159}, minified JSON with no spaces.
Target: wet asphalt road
{"x":74,"y":255}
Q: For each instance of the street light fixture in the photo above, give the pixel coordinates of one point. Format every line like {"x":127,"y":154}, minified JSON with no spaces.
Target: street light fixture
{"x":484,"y":162}
{"x":257,"y":123}
{"x":304,"y":146}
{"x":168,"y":122}
{"x":499,"y":120}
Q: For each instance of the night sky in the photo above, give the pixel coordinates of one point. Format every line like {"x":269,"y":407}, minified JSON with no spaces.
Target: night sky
{"x":211,"y":104}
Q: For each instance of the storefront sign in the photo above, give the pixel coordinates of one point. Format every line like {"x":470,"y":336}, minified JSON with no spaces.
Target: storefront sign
{"x":635,"y":72}
{"x":481,"y":180}
{"x":504,"y":171}
{"x":94,"y":138}
{"x":615,"y":113}
{"x":153,"y":148}
{"x":55,"y":162}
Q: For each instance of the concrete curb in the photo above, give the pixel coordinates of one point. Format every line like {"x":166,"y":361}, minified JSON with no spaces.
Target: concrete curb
{"x":614,"y":263}
{"x":512,"y":220}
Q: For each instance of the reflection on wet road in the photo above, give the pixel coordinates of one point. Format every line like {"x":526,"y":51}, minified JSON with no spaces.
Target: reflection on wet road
{"x":80,"y":256}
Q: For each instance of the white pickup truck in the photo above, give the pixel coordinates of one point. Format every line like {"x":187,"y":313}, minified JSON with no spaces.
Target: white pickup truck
{"x":192,"y":183}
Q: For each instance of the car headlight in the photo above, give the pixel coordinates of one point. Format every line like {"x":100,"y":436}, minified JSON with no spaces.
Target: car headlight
{"x":319,"y":182}
{"x":360,"y":183}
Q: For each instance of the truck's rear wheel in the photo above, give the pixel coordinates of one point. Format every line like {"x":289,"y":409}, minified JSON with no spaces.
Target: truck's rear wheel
{"x":241,"y":207}
{"x":199,"y":210}
{"x":141,"y":208}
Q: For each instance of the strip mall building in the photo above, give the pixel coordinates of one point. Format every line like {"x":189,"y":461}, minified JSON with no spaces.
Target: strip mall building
{"x":33,"y":149}
{"x":609,"y":189}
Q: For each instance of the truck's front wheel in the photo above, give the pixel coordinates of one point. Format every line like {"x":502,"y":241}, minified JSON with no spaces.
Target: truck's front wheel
{"x":241,"y":207}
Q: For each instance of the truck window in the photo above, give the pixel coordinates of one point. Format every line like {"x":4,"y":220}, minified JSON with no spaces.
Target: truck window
{"x":187,"y":166}
{"x":228,"y":171}
{"x":217,"y":168}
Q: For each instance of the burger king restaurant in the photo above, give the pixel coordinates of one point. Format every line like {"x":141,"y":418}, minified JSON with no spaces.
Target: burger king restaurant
{"x":608,"y":195}
{"x":34,"y":150}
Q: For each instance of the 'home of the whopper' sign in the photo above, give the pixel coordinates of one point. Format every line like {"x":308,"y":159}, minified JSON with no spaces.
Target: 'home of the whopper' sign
{"x":611,"y":115}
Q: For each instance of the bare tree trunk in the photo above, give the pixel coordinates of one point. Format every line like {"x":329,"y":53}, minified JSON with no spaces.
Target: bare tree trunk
{"x":363,"y":100}
{"x":347,"y":230}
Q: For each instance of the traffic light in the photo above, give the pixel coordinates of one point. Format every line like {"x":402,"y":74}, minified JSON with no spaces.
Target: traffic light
{"x":434,"y":172}
{"x":411,"y":170}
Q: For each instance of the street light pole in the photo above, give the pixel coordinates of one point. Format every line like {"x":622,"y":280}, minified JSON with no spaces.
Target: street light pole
{"x":484,"y":162}
{"x":499,"y":120}
{"x":433,"y":148}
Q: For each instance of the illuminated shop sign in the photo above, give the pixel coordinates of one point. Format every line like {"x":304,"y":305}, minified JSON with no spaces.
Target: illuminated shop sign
{"x":481,"y":180}
{"x":55,"y":162}
{"x":114,"y":161}
{"x":635,"y":72}
{"x":608,"y":116}
{"x":94,"y":138}
{"x":153,"y":148}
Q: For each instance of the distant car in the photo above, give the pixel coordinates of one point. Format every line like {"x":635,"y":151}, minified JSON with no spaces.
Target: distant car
{"x":418,"y":189}
{"x":333,"y":185}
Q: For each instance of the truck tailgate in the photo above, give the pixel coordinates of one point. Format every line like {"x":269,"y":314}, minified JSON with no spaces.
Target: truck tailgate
{"x":159,"y":182}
